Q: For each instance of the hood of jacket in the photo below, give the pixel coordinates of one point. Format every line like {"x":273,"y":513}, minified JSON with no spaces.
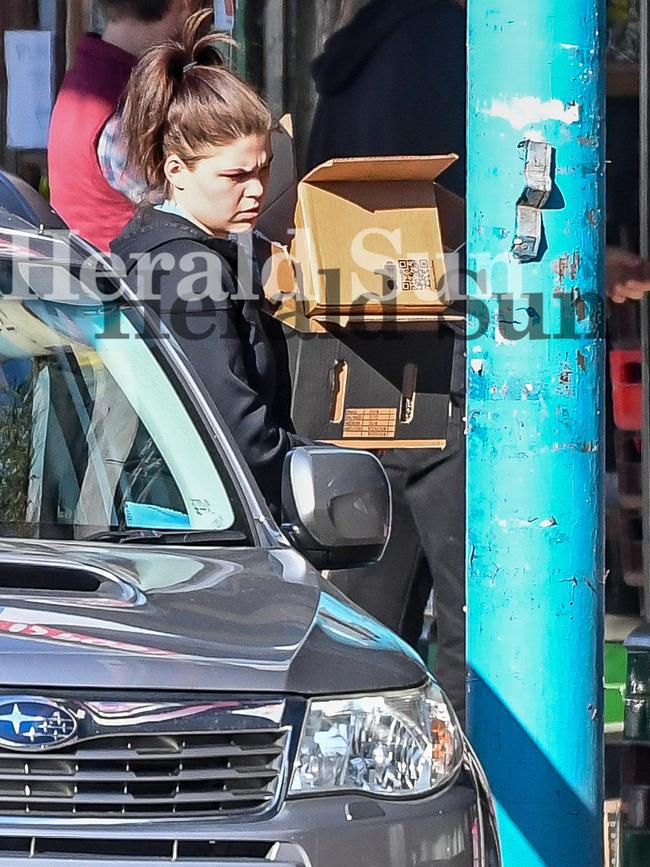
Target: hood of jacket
{"x":151,"y":228}
{"x":347,"y":50}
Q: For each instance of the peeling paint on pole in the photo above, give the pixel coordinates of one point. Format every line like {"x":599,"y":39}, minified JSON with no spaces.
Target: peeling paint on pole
{"x":522,"y":111}
{"x":535,"y":427}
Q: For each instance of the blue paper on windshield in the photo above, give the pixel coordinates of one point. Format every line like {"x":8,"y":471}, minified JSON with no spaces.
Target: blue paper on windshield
{"x":147,"y":517}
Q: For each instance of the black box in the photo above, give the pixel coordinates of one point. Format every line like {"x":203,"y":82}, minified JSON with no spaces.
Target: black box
{"x":374,"y":389}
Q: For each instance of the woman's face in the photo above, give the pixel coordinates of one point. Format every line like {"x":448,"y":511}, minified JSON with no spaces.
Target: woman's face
{"x":225,"y":189}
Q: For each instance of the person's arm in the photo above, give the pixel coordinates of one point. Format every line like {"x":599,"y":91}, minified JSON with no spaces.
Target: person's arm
{"x":111,"y":154}
{"x":208,"y":334}
{"x":627,"y":275}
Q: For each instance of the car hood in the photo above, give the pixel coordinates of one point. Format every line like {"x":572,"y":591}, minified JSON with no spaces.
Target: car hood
{"x":236,"y":620}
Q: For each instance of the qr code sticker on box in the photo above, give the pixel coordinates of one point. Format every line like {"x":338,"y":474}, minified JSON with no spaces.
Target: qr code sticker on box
{"x":412,"y":275}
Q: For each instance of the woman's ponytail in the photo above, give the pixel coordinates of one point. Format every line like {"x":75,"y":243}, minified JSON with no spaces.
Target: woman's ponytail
{"x":182,"y":99}
{"x":149,"y":97}
{"x":204,"y":49}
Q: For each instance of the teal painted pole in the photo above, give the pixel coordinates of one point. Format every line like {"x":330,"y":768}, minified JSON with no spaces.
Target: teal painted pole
{"x":535,"y":421}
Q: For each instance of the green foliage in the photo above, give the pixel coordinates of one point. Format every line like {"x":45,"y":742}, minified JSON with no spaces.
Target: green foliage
{"x":15,"y":437}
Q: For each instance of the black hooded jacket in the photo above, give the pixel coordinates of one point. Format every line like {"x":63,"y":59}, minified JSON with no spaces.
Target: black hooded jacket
{"x":392,"y":83}
{"x":224,"y":335}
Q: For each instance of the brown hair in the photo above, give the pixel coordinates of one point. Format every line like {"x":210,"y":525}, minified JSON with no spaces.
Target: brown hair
{"x":182,"y":99}
{"x":141,"y":10}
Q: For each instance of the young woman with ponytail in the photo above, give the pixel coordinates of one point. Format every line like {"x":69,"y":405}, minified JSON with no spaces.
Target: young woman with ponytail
{"x":200,"y":137}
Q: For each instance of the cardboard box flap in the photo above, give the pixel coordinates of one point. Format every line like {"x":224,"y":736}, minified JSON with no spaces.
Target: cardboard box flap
{"x":381,"y":169}
{"x":277,"y":218}
{"x":451,"y":213}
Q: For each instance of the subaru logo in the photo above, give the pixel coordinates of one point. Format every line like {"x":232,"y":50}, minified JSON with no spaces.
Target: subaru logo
{"x":33,"y":724}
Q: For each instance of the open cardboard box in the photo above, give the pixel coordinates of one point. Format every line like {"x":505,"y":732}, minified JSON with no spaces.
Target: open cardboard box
{"x":371,"y":237}
{"x":369,"y":367}
{"x":367,"y":236}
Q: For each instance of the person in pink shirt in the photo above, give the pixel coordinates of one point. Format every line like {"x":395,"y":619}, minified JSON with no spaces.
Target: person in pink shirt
{"x":89,"y":186}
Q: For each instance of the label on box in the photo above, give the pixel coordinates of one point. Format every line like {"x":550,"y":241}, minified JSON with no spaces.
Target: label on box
{"x":413,"y":275}
{"x":369,"y":423}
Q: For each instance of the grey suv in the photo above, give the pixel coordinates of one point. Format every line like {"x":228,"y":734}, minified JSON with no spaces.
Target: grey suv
{"x":179,"y":684}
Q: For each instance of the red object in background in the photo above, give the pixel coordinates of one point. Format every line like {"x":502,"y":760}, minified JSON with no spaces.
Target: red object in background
{"x":625,"y":371}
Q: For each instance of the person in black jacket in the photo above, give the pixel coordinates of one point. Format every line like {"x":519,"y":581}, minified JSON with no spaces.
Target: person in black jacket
{"x":391,"y":82}
{"x":201,"y":139}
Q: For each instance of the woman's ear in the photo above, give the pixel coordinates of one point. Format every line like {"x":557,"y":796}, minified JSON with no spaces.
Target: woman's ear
{"x":175,"y":172}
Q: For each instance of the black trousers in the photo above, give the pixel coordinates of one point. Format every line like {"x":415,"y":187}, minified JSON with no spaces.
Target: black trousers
{"x":427,"y":545}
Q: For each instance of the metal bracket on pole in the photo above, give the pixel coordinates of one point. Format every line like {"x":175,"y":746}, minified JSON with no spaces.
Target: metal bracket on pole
{"x":529,"y":226}
{"x":538,"y":171}
{"x":529,"y":229}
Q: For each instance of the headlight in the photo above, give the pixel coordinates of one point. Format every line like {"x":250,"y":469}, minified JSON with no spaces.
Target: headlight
{"x":406,"y":743}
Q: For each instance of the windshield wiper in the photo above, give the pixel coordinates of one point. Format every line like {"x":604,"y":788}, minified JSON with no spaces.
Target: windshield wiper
{"x":169,"y":537}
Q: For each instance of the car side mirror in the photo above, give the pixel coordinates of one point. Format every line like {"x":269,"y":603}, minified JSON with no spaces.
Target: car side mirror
{"x":336,"y":506}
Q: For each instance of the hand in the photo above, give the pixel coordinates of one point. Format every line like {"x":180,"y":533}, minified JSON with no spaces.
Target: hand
{"x":628,"y":276}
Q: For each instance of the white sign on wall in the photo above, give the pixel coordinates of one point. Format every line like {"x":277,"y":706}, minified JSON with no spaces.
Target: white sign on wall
{"x":29,"y":60}
{"x":224,"y":15}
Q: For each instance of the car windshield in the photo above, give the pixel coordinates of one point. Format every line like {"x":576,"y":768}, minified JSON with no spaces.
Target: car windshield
{"x":93,"y":434}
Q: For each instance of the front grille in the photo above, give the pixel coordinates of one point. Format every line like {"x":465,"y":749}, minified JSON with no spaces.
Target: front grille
{"x":129,"y":851}
{"x":151,"y":773}
{"x":146,"y":775}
